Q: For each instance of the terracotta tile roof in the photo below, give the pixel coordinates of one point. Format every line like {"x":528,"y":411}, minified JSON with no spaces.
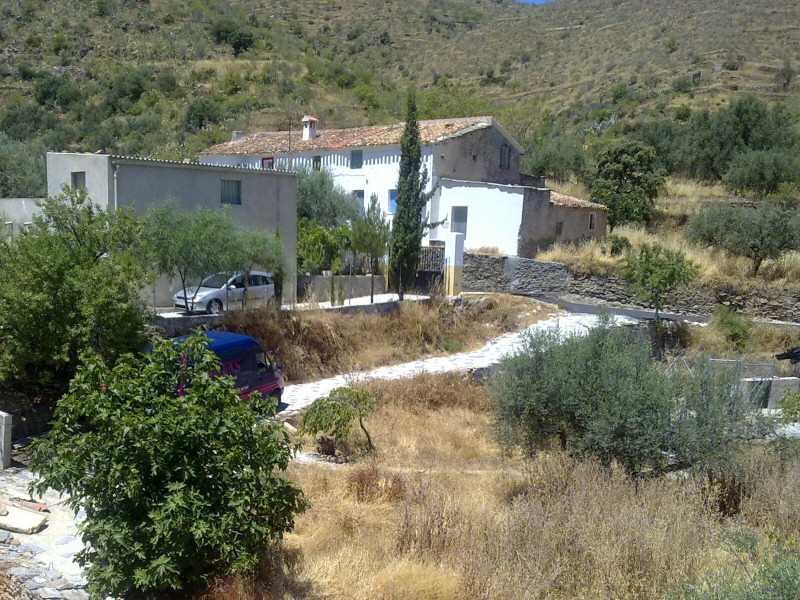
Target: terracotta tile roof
{"x":564,"y":200}
{"x":278,"y":142}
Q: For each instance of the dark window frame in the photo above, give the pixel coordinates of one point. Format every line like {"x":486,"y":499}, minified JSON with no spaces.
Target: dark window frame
{"x":456,"y":224}
{"x":356,"y":159}
{"x":505,"y":157}
{"x":233,"y":194}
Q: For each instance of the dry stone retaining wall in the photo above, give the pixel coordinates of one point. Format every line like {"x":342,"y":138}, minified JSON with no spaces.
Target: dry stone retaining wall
{"x":528,"y":277}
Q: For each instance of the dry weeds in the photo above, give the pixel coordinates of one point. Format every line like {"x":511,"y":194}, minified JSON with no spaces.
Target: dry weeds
{"x":439,"y":511}
{"x":316,"y":344}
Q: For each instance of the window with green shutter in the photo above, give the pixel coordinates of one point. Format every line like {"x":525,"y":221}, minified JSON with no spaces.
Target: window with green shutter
{"x":231,"y":191}
{"x":356,"y":159}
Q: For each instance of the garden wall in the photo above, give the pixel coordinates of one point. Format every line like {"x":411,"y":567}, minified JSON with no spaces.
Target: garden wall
{"x":354,"y":286}
{"x":528,"y":277}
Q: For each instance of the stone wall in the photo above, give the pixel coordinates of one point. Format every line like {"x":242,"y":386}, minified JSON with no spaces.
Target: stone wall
{"x":528,"y":277}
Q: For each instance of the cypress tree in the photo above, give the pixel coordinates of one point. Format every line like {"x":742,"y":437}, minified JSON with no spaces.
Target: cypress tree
{"x":408,"y":226}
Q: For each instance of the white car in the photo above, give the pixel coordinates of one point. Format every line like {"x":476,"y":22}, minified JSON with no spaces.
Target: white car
{"x":222,"y":291}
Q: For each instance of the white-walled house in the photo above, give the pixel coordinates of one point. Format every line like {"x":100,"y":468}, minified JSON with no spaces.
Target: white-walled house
{"x":472,"y":162}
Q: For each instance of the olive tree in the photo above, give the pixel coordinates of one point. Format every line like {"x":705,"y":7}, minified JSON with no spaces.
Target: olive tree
{"x":760,"y":233}
{"x":337,"y":412}
{"x":179,"y":478}
{"x":604,"y":396}
{"x":191,"y":244}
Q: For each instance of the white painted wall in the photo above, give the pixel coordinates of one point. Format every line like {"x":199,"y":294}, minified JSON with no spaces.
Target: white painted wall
{"x":378,"y":175}
{"x":494,"y":213}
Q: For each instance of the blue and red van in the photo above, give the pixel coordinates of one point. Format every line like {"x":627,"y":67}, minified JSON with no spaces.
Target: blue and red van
{"x":244,"y":358}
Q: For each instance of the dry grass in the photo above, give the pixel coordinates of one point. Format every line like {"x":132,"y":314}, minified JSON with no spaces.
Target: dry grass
{"x":439,"y":511}
{"x":716,"y":266}
{"x":486,"y":250}
{"x":315,"y":344}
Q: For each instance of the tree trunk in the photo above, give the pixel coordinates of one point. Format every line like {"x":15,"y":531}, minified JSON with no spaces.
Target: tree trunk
{"x":366,"y":433}
{"x":371,"y":285}
{"x":757,"y":260}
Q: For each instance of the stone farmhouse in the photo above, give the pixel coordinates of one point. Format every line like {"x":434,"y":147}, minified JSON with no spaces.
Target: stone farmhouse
{"x":473,"y":164}
{"x":257,"y":198}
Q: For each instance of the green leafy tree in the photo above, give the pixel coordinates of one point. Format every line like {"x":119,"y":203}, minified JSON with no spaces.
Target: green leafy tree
{"x":762,"y":171}
{"x":322,"y":201}
{"x":628,"y":179}
{"x":184,"y":480}
{"x":759,"y":233}
{"x":336,"y":413}
{"x":256,"y":248}
{"x":603,"y":396}
{"x":371,"y":238}
{"x":70,"y":282}
{"x":316,"y":247}
{"x":193,"y":244}
{"x":408,"y":225}
{"x":654,"y":271}
{"x":22,"y":169}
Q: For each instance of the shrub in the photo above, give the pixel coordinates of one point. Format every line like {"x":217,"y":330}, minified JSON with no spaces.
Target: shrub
{"x":790,"y":407}
{"x":185,"y":481}
{"x":735,"y":327}
{"x":336,"y":413}
{"x":619,"y":245}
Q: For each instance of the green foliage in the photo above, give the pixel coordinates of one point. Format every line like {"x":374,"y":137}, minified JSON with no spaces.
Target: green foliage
{"x":655,"y":271}
{"x":316,"y":247}
{"x":627,"y":180}
{"x":602,"y":395}
{"x":790,"y":407}
{"x":762,"y":171}
{"x":774,"y":577}
{"x":619,"y":245}
{"x":756,"y":233}
{"x":195,"y":244}
{"x":185,"y":480}
{"x":70,"y":282}
{"x":735,"y":327}
{"x":370,"y":238}
{"x":22,"y":169}
{"x":407,"y":225}
{"x":336,"y":413}
{"x":200,"y":111}
{"x":322,"y":201}
{"x":558,"y":158}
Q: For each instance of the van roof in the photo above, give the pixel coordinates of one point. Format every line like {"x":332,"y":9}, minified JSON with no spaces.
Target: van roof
{"x":225,"y":344}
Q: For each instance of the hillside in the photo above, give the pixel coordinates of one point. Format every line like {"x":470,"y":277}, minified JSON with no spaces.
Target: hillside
{"x":166,"y":78}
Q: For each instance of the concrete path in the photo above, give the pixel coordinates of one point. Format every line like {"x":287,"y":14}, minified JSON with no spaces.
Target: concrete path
{"x":297,"y":398}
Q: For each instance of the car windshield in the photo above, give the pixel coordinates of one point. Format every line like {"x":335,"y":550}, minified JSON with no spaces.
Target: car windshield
{"x":215,"y":281}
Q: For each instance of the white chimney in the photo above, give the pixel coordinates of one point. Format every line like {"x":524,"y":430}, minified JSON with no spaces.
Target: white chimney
{"x":237,"y":136}
{"x":309,"y":127}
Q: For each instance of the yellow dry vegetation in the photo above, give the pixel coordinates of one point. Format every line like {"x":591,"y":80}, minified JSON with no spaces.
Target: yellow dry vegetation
{"x":439,"y":511}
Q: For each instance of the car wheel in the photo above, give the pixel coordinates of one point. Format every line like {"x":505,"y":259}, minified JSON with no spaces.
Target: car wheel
{"x":214,"y":307}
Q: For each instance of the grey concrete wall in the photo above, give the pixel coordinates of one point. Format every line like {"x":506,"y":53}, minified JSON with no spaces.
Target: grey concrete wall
{"x":5,"y":440}
{"x":319,"y":287}
{"x":99,"y":177}
{"x":18,"y":211}
{"x":269,"y":198}
{"x":475,"y":156}
{"x":540,"y":218}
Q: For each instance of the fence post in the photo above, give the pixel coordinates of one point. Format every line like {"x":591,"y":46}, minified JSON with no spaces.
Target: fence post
{"x":454,"y":261}
{"x":5,"y":440}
